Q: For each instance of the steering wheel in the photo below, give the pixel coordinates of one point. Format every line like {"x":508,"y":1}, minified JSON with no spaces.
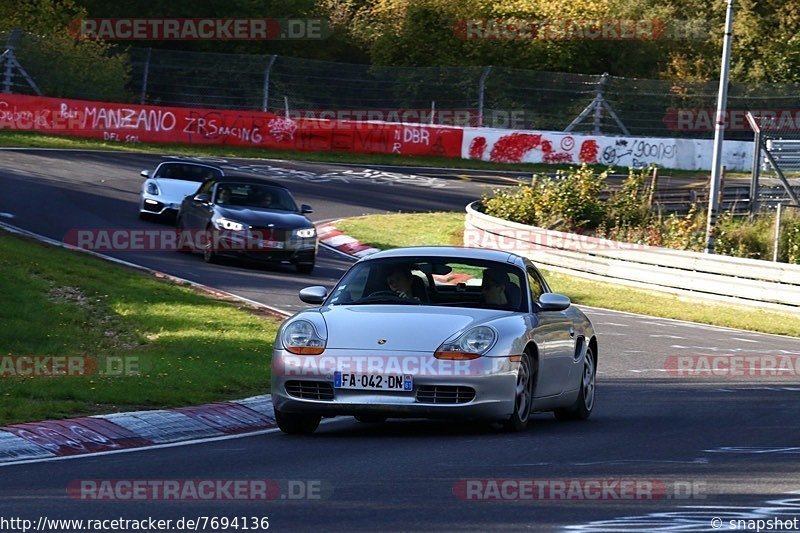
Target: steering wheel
{"x":384,"y":293}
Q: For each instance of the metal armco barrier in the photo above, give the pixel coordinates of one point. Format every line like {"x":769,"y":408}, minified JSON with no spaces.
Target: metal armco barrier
{"x":735,"y":280}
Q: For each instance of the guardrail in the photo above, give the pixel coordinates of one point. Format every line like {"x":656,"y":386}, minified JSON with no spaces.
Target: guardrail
{"x":736,"y":280}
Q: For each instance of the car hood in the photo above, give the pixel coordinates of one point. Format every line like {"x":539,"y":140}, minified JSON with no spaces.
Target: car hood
{"x":403,"y":327}
{"x":176,"y":190}
{"x":263,"y":217}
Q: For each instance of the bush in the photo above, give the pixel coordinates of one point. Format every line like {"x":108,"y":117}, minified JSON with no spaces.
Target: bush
{"x":744,"y":238}
{"x":789,"y":247}
{"x":570,"y":201}
{"x":68,"y":68}
{"x":628,"y":206}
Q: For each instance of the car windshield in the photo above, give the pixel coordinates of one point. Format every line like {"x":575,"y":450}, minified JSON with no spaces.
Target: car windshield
{"x":186,"y":172}
{"x":434,"y":281}
{"x":254,"y":195}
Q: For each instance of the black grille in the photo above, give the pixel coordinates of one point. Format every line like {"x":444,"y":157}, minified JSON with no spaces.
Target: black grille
{"x":445,"y":394}
{"x":310,"y":390}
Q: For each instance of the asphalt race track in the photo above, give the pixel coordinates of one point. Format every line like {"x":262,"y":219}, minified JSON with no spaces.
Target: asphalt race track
{"x":693,"y":449}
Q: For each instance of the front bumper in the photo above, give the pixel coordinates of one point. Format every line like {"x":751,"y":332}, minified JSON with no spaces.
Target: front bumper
{"x":156,"y":205}
{"x":485,"y":386}
{"x":295,"y":249}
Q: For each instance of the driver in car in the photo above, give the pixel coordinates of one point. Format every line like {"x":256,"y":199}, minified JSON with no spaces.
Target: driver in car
{"x":403,"y":283}
{"x":224,"y":196}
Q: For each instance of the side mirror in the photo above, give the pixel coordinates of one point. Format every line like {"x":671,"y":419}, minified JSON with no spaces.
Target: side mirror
{"x":551,"y":301}
{"x":202,"y":198}
{"x":314,"y":295}
{"x":306,"y":209}
{"x":145,"y":173}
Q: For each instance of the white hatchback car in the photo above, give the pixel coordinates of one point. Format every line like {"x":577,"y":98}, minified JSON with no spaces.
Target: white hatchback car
{"x":172,"y":181}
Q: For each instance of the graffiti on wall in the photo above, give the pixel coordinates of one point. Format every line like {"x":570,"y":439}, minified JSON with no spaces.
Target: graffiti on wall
{"x":509,"y":146}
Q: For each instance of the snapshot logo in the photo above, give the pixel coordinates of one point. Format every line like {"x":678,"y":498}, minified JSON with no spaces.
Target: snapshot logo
{"x":194,"y":29}
{"x":57,"y":366}
{"x":524,"y":240}
{"x":576,"y":489}
{"x":521,"y":29}
{"x":196,"y":489}
{"x":733,"y":366}
{"x":734,"y":119}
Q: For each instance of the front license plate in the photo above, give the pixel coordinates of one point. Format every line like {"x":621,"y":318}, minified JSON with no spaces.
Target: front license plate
{"x":271,"y":244}
{"x":351,"y":380}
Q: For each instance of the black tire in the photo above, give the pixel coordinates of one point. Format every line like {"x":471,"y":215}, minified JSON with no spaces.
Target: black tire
{"x":179,"y":244}
{"x":209,"y":255}
{"x":584,"y":404}
{"x":297,"y":423}
{"x":523,"y":395}
{"x":371,"y":419}
{"x":305,"y":268}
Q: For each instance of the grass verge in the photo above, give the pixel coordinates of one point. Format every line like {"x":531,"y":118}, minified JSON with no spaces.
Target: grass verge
{"x":177,"y":347}
{"x":35,"y":140}
{"x":394,"y":230}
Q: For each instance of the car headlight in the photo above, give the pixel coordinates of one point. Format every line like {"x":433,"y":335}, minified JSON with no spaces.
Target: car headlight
{"x":152,"y":188}
{"x":301,"y":337}
{"x":226,"y":223}
{"x":469,"y":345}
{"x":306,"y":233}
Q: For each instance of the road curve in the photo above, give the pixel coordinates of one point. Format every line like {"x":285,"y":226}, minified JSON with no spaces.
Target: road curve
{"x":734,"y":443}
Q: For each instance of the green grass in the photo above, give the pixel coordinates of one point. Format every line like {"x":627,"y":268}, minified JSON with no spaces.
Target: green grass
{"x":390,"y":231}
{"x":190,"y":349}
{"x":35,"y":140}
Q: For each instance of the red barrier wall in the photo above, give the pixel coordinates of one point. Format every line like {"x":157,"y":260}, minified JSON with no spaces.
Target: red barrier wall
{"x":129,"y":123}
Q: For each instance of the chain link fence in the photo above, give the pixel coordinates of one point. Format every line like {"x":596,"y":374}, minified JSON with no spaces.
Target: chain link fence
{"x":489,"y":96}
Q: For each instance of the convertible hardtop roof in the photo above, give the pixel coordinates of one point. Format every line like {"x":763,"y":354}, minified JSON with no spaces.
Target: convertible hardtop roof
{"x":449,"y":251}
{"x":248,"y":178}
{"x":188,"y":162}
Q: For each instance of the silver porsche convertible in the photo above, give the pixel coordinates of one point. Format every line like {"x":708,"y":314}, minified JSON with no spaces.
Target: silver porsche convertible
{"x":435,"y":332}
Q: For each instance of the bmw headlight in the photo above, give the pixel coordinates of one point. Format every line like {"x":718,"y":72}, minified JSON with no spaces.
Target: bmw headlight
{"x":469,"y":345}
{"x":301,"y":337}
{"x":232,"y":225}
{"x":306,"y":233}
{"x":152,"y":188}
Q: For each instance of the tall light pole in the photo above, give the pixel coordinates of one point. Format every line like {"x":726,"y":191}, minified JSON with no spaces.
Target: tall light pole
{"x":719,"y":131}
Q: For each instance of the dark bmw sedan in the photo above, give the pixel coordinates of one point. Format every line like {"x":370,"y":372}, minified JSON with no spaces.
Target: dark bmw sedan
{"x":247,"y":216}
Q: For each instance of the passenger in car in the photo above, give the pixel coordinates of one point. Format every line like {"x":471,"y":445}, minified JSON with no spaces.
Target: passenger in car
{"x":493,"y":287}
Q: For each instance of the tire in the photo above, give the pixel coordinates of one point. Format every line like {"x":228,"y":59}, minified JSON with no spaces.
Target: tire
{"x":584,"y":404}
{"x":523,"y":395}
{"x":209,"y":255}
{"x":297,"y":424}
{"x":305,"y":268}
{"x":371,"y":419}
{"x":184,"y":248}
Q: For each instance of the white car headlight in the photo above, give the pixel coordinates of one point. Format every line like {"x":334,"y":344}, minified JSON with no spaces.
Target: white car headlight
{"x":226,"y":223}
{"x":301,"y":337}
{"x":152,"y":188}
{"x":306,"y":233}
{"x":469,"y":345}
